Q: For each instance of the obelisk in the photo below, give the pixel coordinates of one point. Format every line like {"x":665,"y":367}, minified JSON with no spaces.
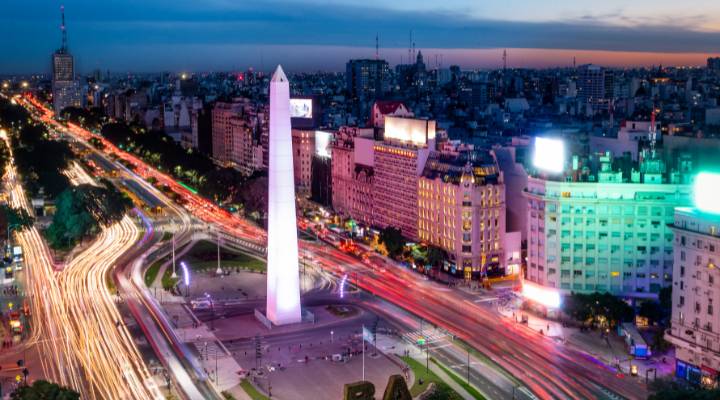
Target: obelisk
{"x":283,"y":280}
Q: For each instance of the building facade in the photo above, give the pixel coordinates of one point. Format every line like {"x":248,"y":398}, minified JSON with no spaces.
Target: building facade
{"x":399,"y":161}
{"x":607,"y":235}
{"x":695,"y":325}
{"x":461,"y":209}
{"x":303,"y":142}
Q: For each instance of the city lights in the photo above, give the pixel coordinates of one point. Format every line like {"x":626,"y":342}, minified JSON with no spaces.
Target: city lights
{"x":549,"y":155}
{"x":706,"y":192}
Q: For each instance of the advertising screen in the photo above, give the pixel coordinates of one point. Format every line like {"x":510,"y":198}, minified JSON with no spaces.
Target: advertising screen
{"x":322,"y":144}
{"x":549,"y":155}
{"x":301,"y":108}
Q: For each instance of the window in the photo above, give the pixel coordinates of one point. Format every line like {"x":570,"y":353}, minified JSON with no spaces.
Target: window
{"x":681,"y":301}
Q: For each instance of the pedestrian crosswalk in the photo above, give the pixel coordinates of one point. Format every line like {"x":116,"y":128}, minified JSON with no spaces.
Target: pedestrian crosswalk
{"x":425,"y":336}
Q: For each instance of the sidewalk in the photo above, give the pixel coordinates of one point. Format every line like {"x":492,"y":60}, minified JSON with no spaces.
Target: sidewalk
{"x":217,"y":361}
{"x":607,"y":352}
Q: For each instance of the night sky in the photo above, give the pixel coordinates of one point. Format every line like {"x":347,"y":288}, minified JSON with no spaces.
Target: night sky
{"x":193,"y":35}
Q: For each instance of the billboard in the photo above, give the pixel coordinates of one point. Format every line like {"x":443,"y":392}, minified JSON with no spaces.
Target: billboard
{"x":410,"y":130}
{"x":705,"y":192}
{"x":301,"y":108}
{"x":549,"y":155}
{"x":322,"y":144}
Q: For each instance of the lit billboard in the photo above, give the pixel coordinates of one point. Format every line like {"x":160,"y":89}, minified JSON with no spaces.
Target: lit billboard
{"x":548,"y":297}
{"x":301,"y":108}
{"x":705,"y":192}
{"x":409,"y":130}
{"x":322,"y":144}
{"x":549,"y":155}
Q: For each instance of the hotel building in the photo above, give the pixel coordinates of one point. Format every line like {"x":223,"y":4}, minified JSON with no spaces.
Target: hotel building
{"x":461,"y":209}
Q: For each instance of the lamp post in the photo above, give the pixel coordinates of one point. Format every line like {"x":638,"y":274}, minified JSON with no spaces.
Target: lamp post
{"x":212,"y":308}
{"x":219,"y":270}
{"x":174,"y":273}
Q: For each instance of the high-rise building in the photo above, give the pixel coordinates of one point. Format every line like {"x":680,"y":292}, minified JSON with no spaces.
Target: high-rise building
{"x":65,"y":89}
{"x":713,"y":63}
{"x":461,"y":209}
{"x":595,"y":227}
{"x":283,"y":277}
{"x":222,"y":135}
{"x":695,"y":323}
{"x":399,"y":160}
{"x":367,"y":79}
{"x":595,"y":85}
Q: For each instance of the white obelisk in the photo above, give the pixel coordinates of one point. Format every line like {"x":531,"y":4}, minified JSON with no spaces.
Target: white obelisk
{"x":283,"y":280}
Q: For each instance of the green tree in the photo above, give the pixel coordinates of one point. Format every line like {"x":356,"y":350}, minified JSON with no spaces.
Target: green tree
{"x":435,"y":256}
{"x":596,"y":306}
{"x":44,"y":390}
{"x":82,"y":209}
{"x":668,"y":389}
{"x":393,"y":240}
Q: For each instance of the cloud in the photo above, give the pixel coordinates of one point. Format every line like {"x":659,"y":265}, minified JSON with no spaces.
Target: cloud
{"x":171,"y":25}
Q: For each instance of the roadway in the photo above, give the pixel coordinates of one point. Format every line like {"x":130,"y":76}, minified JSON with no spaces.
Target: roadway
{"x":550,"y":370}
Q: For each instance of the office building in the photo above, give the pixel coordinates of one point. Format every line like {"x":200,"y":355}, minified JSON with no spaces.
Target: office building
{"x":399,"y":161}
{"x":367,"y":79}
{"x":65,"y":89}
{"x":593,"y":227}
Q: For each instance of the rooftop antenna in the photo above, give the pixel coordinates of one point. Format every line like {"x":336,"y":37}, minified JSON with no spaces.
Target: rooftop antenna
{"x":63,"y":49}
{"x":504,"y":58}
{"x":377,"y":46}
{"x":409,"y":60}
{"x":414,"y":55}
{"x":653,"y":133}
{"x":574,"y":62}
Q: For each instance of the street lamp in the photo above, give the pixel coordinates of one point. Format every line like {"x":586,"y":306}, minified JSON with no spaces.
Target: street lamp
{"x":332,"y":336}
{"x":186,"y":278}
{"x":174,"y":274}
{"x":219,"y":270}
{"x":212,"y":308}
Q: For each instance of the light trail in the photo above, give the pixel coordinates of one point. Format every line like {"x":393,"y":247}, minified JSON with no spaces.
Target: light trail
{"x":549,"y":370}
{"x":79,"y":331}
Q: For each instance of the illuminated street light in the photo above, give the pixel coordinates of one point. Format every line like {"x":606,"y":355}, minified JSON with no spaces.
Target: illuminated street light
{"x":24,"y":84}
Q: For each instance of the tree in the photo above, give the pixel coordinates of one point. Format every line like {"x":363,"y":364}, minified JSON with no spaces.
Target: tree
{"x":435,"y":255}
{"x":393,"y":240}
{"x":80,"y":211}
{"x":597,"y":307}
{"x":667,"y":389}
{"x":44,"y":390}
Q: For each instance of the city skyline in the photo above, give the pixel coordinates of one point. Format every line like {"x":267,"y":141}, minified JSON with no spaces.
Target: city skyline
{"x":148,"y":37}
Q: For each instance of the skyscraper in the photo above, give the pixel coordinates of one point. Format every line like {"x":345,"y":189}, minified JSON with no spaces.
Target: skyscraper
{"x":283,"y":280}
{"x":367,"y":79}
{"x":66,"y":90}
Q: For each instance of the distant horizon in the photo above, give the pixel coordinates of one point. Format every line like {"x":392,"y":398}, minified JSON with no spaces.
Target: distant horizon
{"x":308,"y":35}
{"x":467,"y":59}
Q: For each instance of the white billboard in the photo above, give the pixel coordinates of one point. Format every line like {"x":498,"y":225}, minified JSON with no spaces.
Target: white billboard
{"x":549,"y":155}
{"x":416,"y":131}
{"x":322,"y":144}
{"x":301,"y":108}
